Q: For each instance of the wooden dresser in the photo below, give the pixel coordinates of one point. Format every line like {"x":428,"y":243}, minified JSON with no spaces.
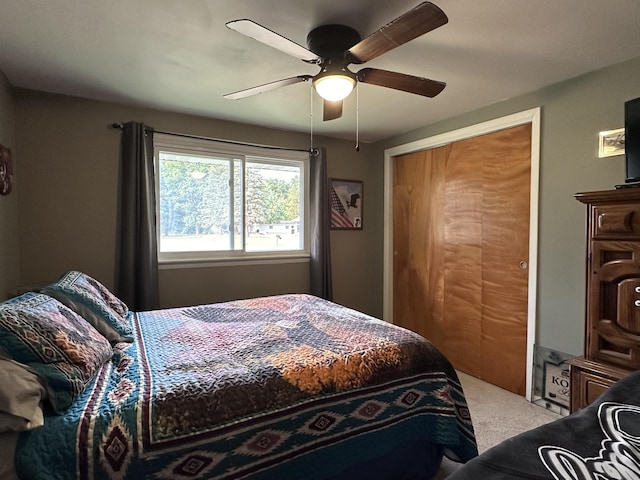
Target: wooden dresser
{"x":612,"y":337}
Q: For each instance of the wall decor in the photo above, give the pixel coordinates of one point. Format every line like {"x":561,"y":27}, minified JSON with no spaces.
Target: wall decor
{"x":345,"y":203}
{"x":6,"y":171}
{"x":611,"y":143}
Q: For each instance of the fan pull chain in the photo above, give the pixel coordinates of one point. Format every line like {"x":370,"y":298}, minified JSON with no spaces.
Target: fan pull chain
{"x":311,"y":114}
{"x":357,"y":118}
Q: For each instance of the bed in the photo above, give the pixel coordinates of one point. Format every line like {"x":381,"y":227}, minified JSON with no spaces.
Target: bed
{"x":599,"y":442}
{"x":281,"y":387}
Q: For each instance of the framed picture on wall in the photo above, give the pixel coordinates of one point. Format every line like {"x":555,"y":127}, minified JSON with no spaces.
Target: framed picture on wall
{"x":6,"y":171}
{"x":611,"y":143}
{"x":345,"y":204}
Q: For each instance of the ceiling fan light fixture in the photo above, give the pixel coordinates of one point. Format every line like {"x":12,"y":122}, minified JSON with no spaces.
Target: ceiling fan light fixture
{"x":334,"y":87}
{"x":334,"y":47}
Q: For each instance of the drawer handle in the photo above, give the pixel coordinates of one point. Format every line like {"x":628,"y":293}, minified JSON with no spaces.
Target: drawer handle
{"x":637,"y":289}
{"x":637,"y":303}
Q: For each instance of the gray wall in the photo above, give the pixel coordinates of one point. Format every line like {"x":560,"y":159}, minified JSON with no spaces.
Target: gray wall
{"x":573,"y":112}
{"x":67,"y":161}
{"x":9,"y":247}
{"x":68,"y":198}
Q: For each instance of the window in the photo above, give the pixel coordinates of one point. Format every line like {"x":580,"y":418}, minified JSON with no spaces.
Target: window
{"x":218,"y":201}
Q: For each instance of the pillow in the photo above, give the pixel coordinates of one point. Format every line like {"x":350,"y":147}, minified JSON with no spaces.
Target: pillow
{"x":63,"y":349}
{"x":15,"y":423}
{"x":20,"y":395}
{"x":93,"y":302}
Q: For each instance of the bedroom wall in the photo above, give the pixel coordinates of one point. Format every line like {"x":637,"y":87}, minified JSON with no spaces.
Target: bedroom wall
{"x":69,"y":169}
{"x":9,"y":260}
{"x":573,"y":112}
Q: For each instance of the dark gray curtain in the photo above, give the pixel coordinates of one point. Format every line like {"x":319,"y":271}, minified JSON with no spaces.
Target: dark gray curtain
{"x":137,"y":259}
{"x":320,"y":267}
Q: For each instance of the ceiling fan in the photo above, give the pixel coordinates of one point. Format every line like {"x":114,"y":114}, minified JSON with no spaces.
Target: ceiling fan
{"x":335,"y":47}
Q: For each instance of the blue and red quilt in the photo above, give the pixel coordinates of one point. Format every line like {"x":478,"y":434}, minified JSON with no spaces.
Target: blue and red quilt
{"x":289,"y":386}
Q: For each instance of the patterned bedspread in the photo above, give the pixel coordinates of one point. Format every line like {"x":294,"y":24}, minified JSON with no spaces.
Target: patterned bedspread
{"x":253,"y":389}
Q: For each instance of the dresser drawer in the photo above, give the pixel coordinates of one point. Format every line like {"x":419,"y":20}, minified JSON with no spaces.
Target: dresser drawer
{"x":594,"y":386}
{"x":590,"y":379}
{"x":615,"y":221}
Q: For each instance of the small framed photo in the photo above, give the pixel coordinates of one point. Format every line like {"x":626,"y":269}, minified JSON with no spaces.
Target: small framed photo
{"x":6,"y":171}
{"x":345,"y":204}
{"x":611,"y":143}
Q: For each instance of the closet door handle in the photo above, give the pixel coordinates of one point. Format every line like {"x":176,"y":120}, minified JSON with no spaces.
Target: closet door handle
{"x":523,"y":265}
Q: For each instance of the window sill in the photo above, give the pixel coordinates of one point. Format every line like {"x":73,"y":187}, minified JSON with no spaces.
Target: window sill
{"x":232,"y":262}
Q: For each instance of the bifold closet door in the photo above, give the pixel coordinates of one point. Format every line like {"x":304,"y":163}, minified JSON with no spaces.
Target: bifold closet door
{"x":461,"y":247}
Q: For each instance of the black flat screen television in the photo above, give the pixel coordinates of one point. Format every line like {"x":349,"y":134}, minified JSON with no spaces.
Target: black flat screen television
{"x":632,"y":140}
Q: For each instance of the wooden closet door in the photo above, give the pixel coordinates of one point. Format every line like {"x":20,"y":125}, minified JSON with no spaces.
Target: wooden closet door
{"x":461,"y":233}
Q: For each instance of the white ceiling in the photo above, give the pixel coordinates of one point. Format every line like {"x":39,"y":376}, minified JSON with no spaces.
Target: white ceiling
{"x":178,"y":55}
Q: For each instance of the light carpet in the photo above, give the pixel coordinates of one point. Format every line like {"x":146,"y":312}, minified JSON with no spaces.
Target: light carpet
{"x":497,"y":414}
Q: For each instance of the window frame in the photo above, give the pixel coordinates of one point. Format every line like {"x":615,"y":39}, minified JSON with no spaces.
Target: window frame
{"x":247,"y":154}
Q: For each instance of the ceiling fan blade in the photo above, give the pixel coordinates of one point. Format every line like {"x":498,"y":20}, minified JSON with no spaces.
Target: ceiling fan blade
{"x":267,"y":87}
{"x":331,"y":110}
{"x":273,"y":39}
{"x":417,"y":21}
{"x":401,"y":81}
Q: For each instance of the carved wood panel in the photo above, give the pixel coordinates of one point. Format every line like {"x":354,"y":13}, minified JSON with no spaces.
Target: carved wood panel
{"x":614,"y":303}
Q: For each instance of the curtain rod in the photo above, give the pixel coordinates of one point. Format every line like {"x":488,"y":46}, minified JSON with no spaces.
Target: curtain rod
{"x":312,"y":151}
